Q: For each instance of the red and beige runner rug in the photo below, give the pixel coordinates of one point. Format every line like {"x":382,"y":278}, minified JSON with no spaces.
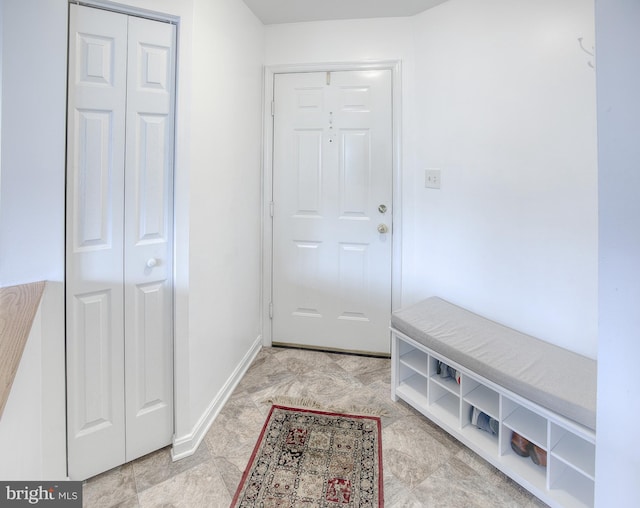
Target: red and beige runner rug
{"x":314,"y":458}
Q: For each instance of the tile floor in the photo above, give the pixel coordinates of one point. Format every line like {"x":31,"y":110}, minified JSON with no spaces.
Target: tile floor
{"x":423,"y":466}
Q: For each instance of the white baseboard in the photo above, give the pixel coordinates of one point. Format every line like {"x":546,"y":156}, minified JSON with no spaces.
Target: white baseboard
{"x":187,"y":445}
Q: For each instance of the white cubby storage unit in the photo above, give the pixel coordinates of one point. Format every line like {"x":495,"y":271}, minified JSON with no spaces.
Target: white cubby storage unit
{"x":568,"y":478}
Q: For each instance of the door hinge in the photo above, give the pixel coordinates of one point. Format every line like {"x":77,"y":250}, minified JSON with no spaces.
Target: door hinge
{"x":270,"y":310}
{"x":271,"y":207}
{"x":273,"y":108}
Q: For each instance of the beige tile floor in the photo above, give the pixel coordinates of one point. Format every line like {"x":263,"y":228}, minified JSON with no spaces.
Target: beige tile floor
{"x":423,"y":466}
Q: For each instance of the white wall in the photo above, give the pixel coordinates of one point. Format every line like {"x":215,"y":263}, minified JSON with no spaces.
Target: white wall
{"x":337,"y":41}
{"x":499,"y":96}
{"x":32,"y":148}
{"x":617,"y":460}
{"x":34,"y":82}
{"x":506,"y":110}
{"x":225,"y":219}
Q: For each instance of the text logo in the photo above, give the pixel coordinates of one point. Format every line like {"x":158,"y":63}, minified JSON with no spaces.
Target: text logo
{"x":44,"y":494}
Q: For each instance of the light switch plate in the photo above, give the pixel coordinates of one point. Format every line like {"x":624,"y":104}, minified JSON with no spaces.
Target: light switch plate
{"x":432,"y":178}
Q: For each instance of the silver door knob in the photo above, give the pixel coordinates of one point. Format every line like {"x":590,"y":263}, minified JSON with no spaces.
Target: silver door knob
{"x":382,"y":228}
{"x":151,"y":262}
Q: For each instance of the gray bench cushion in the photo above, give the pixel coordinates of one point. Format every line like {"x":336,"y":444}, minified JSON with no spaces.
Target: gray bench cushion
{"x":550,"y":376}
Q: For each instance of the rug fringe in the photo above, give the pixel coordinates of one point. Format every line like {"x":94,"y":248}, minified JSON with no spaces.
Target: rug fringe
{"x":309,"y":403}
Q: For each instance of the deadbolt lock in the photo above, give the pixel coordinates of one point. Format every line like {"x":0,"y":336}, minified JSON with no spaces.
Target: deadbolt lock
{"x":382,"y":208}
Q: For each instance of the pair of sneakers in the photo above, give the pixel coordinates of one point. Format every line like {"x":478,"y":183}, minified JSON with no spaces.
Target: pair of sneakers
{"x":444,"y":371}
{"x":483,"y":421}
{"x":526,"y":448}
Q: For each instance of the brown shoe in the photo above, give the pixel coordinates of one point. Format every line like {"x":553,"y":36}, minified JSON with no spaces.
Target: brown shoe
{"x":538,"y":456}
{"x":520,"y":445}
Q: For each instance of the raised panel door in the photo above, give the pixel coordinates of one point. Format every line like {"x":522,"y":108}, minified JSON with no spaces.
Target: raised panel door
{"x":332,"y":170}
{"x":148,"y":294}
{"x":95,"y":218}
{"x":119,"y":238}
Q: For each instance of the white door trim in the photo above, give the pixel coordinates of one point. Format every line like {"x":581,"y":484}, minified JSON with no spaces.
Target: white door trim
{"x":395,"y":66}
{"x":124,"y":8}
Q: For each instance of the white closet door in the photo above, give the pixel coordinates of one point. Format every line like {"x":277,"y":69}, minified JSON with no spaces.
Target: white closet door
{"x":148,"y":234}
{"x":119,"y":239}
{"x":95,"y":218}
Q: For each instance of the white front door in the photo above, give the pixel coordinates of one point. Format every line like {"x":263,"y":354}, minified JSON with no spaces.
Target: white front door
{"x":119,"y":231}
{"x":332,"y":202}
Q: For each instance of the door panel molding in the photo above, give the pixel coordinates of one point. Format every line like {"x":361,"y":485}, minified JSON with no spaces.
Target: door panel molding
{"x":353,"y":99}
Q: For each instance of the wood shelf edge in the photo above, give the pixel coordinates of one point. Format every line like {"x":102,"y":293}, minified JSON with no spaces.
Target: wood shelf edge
{"x":18,"y":307}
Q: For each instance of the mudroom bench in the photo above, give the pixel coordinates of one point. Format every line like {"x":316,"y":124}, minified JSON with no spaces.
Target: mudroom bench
{"x":482,"y":382}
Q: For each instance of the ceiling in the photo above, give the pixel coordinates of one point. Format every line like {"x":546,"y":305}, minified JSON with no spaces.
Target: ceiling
{"x":292,"y":11}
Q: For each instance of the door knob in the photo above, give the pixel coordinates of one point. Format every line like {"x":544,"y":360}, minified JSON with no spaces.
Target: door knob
{"x":151,"y":262}
{"x":382,"y":228}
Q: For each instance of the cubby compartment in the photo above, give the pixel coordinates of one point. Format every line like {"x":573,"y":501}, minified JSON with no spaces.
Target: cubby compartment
{"x":448,"y":383}
{"x":415,"y":359}
{"x":524,"y":468}
{"x":412,"y":374}
{"x":485,"y":440}
{"x":444,"y":404}
{"x":575,"y":451}
{"x":532,"y":427}
{"x":484,"y":400}
{"x":478,"y":395}
{"x":568,"y":486}
{"x":525,"y":422}
{"x":412,"y":387}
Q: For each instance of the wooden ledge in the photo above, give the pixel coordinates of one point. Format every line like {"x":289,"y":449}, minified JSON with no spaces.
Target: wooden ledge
{"x":18,"y":307}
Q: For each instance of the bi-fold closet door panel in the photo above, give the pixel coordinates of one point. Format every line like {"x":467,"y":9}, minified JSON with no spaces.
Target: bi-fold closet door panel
{"x":119,"y":238}
{"x":148,"y":234}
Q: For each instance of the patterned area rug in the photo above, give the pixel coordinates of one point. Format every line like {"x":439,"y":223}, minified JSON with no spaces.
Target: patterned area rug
{"x":314,"y":459}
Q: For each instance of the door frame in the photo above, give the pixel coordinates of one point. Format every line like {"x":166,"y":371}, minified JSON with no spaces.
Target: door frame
{"x":395,"y":66}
